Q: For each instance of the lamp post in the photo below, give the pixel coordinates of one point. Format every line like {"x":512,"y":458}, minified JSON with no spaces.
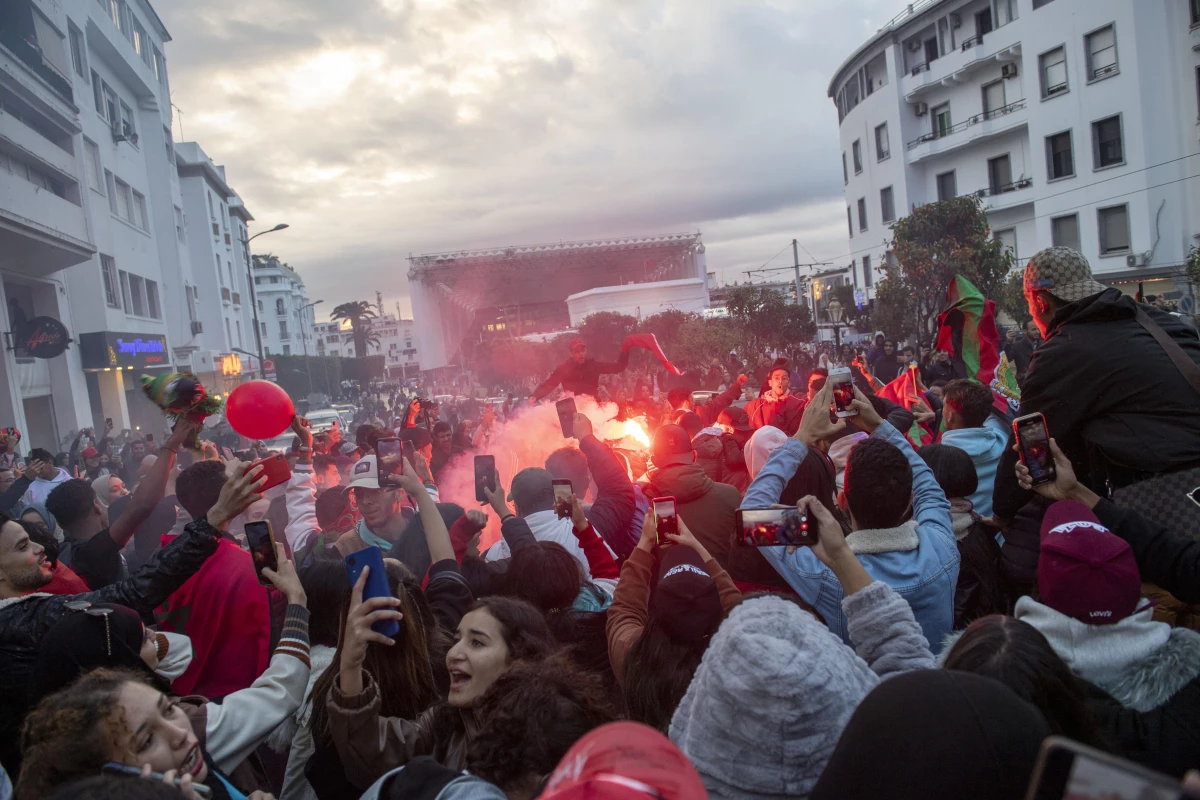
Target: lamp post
{"x":253,"y":297}
{"x":835,"y":311}
{"x":304,"y":340}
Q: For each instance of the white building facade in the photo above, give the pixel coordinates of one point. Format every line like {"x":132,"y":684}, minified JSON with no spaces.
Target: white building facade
{"x":1074,"y":120}
{"x":285,"y":314}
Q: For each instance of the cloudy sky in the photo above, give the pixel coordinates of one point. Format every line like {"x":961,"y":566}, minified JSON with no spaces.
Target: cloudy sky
{"x":383,"y":128}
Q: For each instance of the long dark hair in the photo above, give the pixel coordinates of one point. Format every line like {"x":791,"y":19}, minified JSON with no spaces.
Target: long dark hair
{"x":657,"y":674}
{"x":816,"y":476}
{"x":546,"y":575}
{"x":1018,"y":655}
{"x":525,"y":632}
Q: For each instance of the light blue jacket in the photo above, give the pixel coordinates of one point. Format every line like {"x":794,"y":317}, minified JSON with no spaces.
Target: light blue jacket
{"x":985,"y":446}
{"x":925,"y":577}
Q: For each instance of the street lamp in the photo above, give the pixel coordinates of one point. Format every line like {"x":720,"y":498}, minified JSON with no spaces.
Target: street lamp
{"x":835,"y":311}
{"x":304,"y":341}
{"x":253,"y":297}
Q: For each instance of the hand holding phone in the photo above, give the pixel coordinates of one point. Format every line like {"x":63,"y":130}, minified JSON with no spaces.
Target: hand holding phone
{"x":1068,"y":769}
{"x":388,"y":461}
{"x":485,"y":477}
{"x":562,"y":498}
{"x":666,"y":519}
{"x":1033,"y":445}
{"x":843,"y":392}
{"x":261,"y":543}
{"x":566,"y":416}
{"x":370,"y":559}
{"x":275,"y":469}
{"x":773,"y":527}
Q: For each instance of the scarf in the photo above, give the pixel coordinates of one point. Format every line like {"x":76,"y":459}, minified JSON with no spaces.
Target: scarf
{"x":885,"y":540}
{"x":962,"y":517}
{"x":365,"y":534}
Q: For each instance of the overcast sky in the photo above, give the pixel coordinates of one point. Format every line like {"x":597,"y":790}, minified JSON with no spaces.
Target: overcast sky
{"x":383,"y":128}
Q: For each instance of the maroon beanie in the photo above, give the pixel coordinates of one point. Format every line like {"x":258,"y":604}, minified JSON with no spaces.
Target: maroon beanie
{"x":1085,"y":571}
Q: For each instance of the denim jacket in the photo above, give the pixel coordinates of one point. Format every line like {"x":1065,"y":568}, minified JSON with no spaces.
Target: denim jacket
{"x":925,"y":577}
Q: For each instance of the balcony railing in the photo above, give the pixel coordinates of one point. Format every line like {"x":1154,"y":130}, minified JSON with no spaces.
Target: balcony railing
{"x":31,"y":55}
{"x":972,"y":42}
{"x":1100,"y":72}
{"x":1004,"y":188}
{"x":966,"y":123}
{"x":919,"y":68}
{"x":225,"y":294}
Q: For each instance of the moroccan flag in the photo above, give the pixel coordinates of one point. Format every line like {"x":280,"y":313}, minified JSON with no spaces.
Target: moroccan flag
{"x":968,"y":333}
{"x":906,"y":390}
{"x":648,"y":341}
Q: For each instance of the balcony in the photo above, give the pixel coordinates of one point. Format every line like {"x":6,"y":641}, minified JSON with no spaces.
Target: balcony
{"x":981,"y":126}
{"x":197,"y":327}
{"x":1002,"y":45}
{"x":30,"y":55}
{"x":1008,"y":195}
{"x":118,"y":54}
{"x":225,"y":294}
{"x":40,"y":232}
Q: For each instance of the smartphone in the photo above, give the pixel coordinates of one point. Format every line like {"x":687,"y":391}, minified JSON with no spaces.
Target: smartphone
{"x":149,"y":437}
{"x":387,"y":456}
{"x":562,"y":497}
{"x":108,"y":422}
{"x":115,"y":768}
{"x":843,"y":392}
{"x":485,"y":476}
{"x":409,"y":450}
{"x":1033,"y":441}
{"x":666,"y":520}
{"x":566,"y":416}
{"x":772,"y":527}
{"x":376,"y":586}
{"x":275,"y":468}
{"x":261,"y":543}
{"x":1068,"y":769}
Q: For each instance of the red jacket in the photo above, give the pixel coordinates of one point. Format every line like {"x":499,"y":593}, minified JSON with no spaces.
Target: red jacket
{"x":783,"y":414}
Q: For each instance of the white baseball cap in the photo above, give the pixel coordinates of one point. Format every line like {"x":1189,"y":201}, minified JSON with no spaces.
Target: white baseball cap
{"x":364,"y":474}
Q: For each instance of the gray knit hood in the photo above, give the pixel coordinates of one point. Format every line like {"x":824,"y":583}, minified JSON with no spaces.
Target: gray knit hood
{"x":768,"y":702}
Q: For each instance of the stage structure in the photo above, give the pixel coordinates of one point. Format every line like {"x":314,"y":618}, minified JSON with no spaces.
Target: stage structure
{"x":462,"y":298}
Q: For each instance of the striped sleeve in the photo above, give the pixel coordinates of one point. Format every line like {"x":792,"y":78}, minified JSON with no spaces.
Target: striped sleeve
{"x":293,"y":640}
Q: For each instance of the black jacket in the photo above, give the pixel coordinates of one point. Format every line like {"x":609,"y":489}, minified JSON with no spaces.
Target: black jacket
{"x":581,"y":378}
{"x":25,"y":620}
{"x":1168,"y":559}
{"x":1113,"y":400}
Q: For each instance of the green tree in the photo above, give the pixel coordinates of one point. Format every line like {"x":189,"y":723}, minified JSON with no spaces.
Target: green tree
{"x":665,"y":327}
{"x":604,"y":331}
{"x":767,"y":319}
{"x":1011,"y":297}
{"x":931,"y":245}
{"x":702,"y":340}
{"x":356,"y":312}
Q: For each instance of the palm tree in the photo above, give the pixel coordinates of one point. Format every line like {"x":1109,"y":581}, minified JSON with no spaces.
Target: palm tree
{"x":358,"y":313}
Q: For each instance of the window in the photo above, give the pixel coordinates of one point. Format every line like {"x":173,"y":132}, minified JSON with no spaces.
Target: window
{"x":283,"y":331}
{"x":108,"y":268}
{"x":1053,"y":67}
{"x":983,"y":23}
{"x":856,"y":149}
{"x":91,"y":163}
{"x":1008,"y":238}
{"x":228,"y":331}
{"x":1114,"y":229}
{"x":212,"y":215}
{"x":127,"y":126}
{"x":264,"y":328}
{"x":238,"y":323}
{"x":170,"y":145}
{"x":941,"y":120}
{"x":279,"y":307}
{"x":1039,"y":3}
{"x":850,"y":220}
{"x":125,"y":290}
{"x":887,"y":206}
{"x":139,"y":211}
{"x":845,"y":172}
{"x":1006,"y":12}
{"x":137,"y":291}
{"x":1000,"y":174}
{"x":1064,"y":231}
{"x":287,"y":349}
{"x":1195,"y":9}
{"x":98,"y":93}
{"x":882,"y":147}
{"x":112,"y":109}
{"x":1101,"y":49}
{"x":868,"y":277}
{"x":1107,"y":149}
{"x":862,"y":213}
{"x":112,"y":191}
{"x":160,"y":66}
{"x":123,"y":201}
{"x":77,"y":50}
{"x":1060,"y":163}
{"x":152,"y":299}
{"x":947,"y":188}
{"x":993,"y":98}
{"x":179,"y":225}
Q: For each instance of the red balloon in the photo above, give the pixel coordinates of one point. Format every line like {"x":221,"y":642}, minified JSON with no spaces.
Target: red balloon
{"x":259,"y":410}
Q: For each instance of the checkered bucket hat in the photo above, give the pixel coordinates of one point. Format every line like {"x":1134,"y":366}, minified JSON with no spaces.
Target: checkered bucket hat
{"x":1063,"y":272}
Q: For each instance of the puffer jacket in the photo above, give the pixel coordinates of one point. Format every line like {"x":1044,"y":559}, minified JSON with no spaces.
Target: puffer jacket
{"x":708,"y":509}
{"x":1142,"y":417}
{"x":722,"y":459}
{"x":25,"y":620}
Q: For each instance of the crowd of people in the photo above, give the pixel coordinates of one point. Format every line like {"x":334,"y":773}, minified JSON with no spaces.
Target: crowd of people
{"x":949,"y":614}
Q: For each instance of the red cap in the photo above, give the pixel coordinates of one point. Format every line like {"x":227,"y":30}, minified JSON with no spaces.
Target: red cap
{"x":576,"y":342}
{"x":90,"y":452}
{"x":624,"y":761}
{"x":672,"y":445}
{"x":1085,"y":571}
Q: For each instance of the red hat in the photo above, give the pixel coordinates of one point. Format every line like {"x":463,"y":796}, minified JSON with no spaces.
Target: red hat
{"x":672,"y":445}
{"x":576,"y":342}
{"x":624,"y":761}
{"x":90,"y":452}
{"x":1085,"y":571}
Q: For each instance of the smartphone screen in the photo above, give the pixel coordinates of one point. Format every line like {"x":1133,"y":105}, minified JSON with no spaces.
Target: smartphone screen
{"x":387,"y":452}
{"x":566,"y":416}
{"x":261,"y":543}
{"x":410,"y":451}
{"x":1067,"y":770}
{"x":562,"y":497}
{"x":772,"y":527}
{"x":665,"y":519}
{"x":485,"y":475}
{"x":843,"y":391}
{"x":1034,"y":442}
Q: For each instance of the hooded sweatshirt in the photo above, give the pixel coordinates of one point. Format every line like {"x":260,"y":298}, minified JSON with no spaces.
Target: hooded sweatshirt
{"x":985,"y":446}
{"x":40,"y":489}
{"x":706,"y":507}
{"x":775,"y":688}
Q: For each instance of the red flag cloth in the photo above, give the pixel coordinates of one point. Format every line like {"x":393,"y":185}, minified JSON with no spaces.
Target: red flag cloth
{"x":648,"y":341}
{"x":226,"y":613}
{"x":968,"y":333}
{"x":906,"y":391}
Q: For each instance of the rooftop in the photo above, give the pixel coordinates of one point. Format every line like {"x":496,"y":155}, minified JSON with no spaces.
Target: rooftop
{"x":897,"y":22}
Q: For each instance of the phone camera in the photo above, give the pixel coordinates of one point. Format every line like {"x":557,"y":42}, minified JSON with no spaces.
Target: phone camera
{"x":353,"y":561}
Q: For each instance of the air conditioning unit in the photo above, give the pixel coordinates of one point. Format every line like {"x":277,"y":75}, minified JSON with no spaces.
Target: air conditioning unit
{"x":921,"y":109}
{"x":1135,"y":260}
{"x":914,"y":45}
{"x":1008,"y":71}
{"x":955,"y":21}
{"x":197,"y":327}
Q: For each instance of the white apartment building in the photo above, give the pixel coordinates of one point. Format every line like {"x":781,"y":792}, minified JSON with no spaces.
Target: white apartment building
{"x":397,"y":340}
{"x":89,"y":207}
{"x":215,"y":231}
{"x":1076,"y":121}
{"x":285,"y":314}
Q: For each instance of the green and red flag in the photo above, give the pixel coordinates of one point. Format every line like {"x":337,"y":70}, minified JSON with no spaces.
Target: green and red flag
{"x":967,"y":331}
{"x":906,"y":390}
